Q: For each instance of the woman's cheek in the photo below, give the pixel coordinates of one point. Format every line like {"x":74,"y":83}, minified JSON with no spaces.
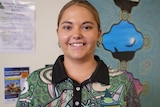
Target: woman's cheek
{"x":64,"y":39}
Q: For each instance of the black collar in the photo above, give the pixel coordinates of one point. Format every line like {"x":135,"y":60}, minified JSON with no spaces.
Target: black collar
{"x":101,"y":73}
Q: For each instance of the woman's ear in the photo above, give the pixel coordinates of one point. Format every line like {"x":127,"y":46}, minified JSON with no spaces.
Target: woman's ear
{"x":59,"y":45}
{"x":99,"y":37}
{"x":100,"y":33}
{"x":58,"y":39}
{"x":57,"y":30}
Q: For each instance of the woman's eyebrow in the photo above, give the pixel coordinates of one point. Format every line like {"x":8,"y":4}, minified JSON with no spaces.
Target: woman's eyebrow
{"x":88,"y":22}
{"x":66,"y":22}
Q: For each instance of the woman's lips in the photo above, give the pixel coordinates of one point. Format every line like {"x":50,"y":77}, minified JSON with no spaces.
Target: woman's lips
{"x":77,"y":44}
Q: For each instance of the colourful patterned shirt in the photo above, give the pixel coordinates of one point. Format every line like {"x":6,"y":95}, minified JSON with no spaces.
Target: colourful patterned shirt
{"x":51,"y":87}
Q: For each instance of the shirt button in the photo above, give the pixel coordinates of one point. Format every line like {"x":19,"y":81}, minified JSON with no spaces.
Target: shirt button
{"x":77,"y":103}
{"x":77,"y":88}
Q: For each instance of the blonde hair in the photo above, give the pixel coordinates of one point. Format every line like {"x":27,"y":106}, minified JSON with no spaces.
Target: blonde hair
{"x":84,"y":4}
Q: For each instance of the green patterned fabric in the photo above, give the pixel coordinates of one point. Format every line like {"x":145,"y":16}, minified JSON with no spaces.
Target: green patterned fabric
{"x":40,"y":91}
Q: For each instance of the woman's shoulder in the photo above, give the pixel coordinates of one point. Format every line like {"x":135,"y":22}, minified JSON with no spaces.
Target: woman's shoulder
{"x":119,"y":75}
{"x":114,"y":72}
{"x":41,"y":75}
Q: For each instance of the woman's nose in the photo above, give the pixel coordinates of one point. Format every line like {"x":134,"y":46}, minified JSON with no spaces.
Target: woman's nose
{"x":77,"y":33}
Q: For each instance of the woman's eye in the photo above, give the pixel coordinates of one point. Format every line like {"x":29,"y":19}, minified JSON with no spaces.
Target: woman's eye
{"x":67,"y":27}
{"x":87,"y":27}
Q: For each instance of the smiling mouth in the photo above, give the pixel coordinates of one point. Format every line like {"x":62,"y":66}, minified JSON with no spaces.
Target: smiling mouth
{"x":77,"y":44}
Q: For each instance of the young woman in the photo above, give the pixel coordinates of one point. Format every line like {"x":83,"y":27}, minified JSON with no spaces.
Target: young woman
{"x":78,"y":78}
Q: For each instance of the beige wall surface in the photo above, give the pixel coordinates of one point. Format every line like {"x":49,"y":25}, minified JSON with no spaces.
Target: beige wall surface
{"x":46,"y":43}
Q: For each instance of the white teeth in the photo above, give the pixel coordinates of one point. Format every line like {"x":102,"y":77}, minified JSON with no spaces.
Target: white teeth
{"x":77,"y":44}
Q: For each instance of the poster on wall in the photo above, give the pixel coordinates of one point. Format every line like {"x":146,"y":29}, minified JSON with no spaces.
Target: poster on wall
{"x":14,"y":78}
{"x":17,"y":29}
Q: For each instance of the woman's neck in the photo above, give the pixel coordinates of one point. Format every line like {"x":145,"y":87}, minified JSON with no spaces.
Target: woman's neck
{"x":80,"y":70}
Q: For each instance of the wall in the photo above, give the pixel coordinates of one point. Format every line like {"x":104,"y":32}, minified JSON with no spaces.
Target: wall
{"x":145,"y":63}
{"x":46,"y":46}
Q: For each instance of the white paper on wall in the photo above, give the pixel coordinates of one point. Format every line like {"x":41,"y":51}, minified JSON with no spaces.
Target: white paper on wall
{"x":17,"y":26}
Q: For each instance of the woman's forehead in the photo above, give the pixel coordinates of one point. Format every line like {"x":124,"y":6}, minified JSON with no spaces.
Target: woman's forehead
{"x":77,"y":11}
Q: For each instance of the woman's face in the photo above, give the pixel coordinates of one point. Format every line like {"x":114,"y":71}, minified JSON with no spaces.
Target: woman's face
{"x":78,"y":32}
